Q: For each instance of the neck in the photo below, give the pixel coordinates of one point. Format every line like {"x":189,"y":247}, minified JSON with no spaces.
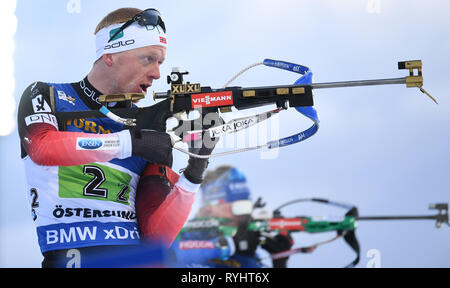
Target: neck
{"x":98,"y":77}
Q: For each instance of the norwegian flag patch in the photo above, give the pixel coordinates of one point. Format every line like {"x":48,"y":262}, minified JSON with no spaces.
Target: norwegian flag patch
{"x":162,"y":40}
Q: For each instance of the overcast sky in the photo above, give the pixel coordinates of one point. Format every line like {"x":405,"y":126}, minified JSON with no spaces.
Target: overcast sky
{"x":384,"y":149}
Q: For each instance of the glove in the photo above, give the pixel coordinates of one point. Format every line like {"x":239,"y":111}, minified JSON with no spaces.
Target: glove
{"x":246,"y":241}
{"x":153,"y":146}
{"x":197,"y":166}
{"x":277,"y":244}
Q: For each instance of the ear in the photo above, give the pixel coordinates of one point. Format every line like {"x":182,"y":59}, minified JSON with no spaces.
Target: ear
{"x":108,"y":59}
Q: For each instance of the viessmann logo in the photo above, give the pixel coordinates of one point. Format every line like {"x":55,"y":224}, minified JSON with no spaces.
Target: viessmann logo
{"x":212,"y":99}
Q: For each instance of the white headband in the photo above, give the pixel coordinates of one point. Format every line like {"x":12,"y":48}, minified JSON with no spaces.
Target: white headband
{"x":132,"y":37}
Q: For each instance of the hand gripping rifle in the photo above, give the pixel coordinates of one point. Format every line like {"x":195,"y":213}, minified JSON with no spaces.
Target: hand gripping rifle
{"x":345,"y":227}
{"x":186,"y":97}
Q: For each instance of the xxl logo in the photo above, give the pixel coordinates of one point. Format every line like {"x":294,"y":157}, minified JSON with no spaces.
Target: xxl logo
{"x":212,"y":99}
{"x":186,"y":88}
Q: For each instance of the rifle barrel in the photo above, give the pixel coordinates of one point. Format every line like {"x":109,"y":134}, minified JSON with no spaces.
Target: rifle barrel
{"x":423,"y":217}
{"x":390,"y":81}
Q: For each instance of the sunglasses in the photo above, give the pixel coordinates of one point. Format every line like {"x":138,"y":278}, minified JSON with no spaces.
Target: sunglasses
{"x":147,"y":17}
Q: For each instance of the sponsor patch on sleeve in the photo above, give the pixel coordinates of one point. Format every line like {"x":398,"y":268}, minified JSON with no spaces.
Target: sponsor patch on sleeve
{"x":42,"y":118}
{"x":97,"y":144}
{"x":40,"y":105}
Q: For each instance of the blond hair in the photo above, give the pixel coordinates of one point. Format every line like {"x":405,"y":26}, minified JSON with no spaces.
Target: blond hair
{"x":120,"y":15}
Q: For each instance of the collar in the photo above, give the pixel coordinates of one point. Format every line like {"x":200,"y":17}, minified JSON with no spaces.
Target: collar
{"x":88,"y":93}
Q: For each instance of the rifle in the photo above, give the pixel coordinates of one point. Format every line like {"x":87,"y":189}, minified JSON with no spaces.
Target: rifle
{"x":184,"y":97}
{"x":345,"y":227}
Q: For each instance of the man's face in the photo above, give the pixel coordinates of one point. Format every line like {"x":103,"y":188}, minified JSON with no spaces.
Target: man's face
{"x":134,"y":70}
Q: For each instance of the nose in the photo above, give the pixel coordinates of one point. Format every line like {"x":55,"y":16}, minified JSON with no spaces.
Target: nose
{"x":154,"y":72}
